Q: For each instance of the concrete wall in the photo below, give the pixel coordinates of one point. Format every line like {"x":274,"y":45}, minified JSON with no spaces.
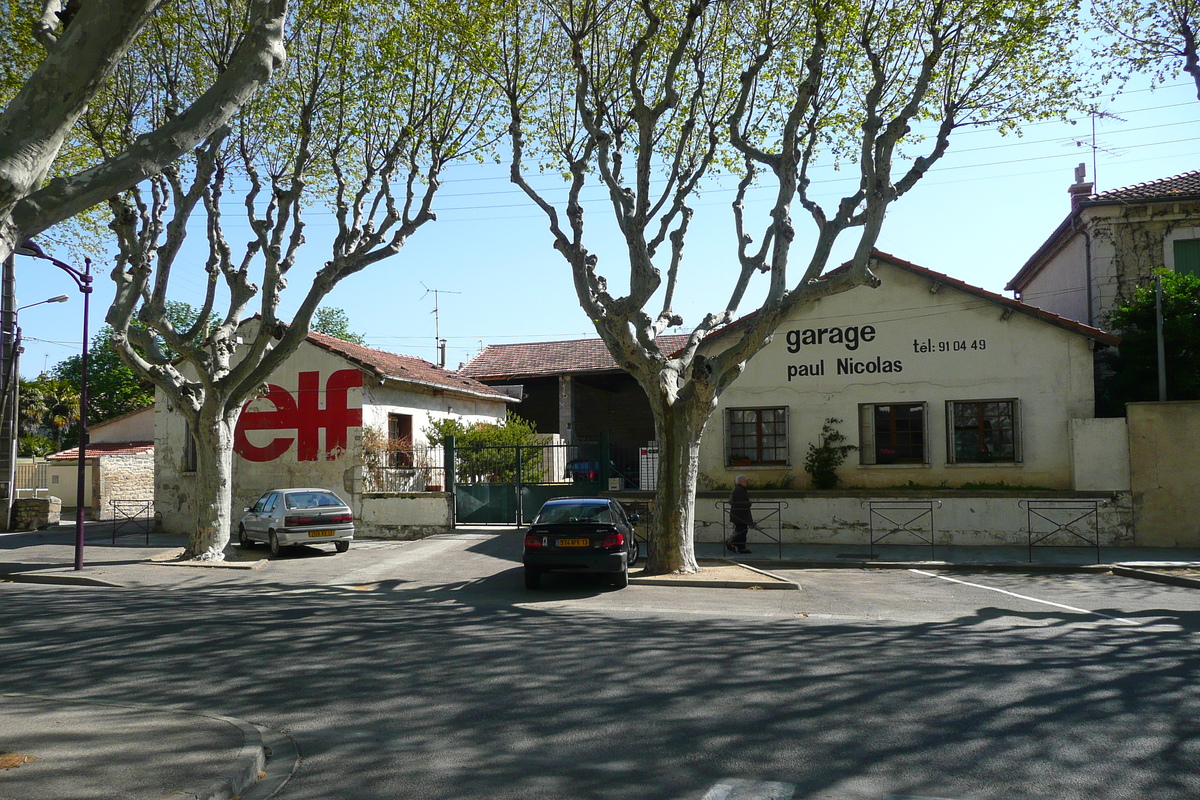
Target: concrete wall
{"x":1164,"y":439}
{"x":136,"y":426}
{"x":1100,"y":455}
{"x":942,"y":345}
{"x":404,"y":515}
{"x":982,"y":518}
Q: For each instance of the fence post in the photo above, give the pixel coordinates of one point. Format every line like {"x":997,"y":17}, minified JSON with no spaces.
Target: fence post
{"x":448,"y":463}
{"x":602,"y":458}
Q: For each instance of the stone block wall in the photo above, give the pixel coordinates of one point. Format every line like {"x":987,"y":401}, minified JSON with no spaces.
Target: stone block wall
{"x":125,"y":477}
{"x":35,"y":513}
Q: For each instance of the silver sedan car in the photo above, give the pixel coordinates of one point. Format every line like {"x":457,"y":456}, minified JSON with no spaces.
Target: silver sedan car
{"x":283,"y":517}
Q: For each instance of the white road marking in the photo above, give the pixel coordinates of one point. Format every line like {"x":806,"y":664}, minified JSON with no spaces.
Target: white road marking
{"x":741,"y":789}
{"x":1025,"y":597}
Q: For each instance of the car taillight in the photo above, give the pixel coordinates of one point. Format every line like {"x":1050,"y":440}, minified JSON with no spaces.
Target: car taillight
{"x":613,"y":540}
{"x":342,"y":518}
{"x":591,"y":474}
{"x":533,"y":541}
{"x":292,"y":522}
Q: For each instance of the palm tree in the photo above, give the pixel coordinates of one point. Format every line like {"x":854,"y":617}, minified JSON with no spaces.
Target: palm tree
{"x":50,"y":403}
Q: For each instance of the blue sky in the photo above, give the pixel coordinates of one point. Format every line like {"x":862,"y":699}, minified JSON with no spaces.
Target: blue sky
{"x":978,"y":215}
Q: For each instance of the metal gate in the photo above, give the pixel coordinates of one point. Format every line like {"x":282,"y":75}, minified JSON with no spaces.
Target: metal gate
{"x":508,"y":484}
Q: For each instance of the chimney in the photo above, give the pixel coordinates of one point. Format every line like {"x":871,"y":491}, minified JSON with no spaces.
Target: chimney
{"x":1082,"y":188}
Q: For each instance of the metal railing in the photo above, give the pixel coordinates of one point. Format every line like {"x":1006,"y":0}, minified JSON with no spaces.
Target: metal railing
{"x":1065,"y":517}
{"x":132,"y":518}
{"x":772,"y":517}
{"x":902,"y":517}
{"x":417,"y":469}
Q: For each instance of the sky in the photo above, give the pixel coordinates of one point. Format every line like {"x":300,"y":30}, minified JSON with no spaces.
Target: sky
{"x":487,"y":266}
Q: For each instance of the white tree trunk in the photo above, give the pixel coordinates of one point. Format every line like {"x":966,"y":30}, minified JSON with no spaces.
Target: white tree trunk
{"x":214,"y":488}
{"x":678,"y":427}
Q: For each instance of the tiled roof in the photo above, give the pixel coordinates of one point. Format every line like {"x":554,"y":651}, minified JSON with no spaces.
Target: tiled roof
{"x":104,"y":449}
{"x":939,"y":277}
{"x":1185,"y":186}
{"x":407,"y":369}
{"x":572,"y":356}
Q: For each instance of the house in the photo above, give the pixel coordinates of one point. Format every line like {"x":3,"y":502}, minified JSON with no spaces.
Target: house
{"x":118,"y":468}
{"x":331,"y":411}
{"x":572,"y":388}
{"x":937,"y":383}
{"x":1110,"y":243}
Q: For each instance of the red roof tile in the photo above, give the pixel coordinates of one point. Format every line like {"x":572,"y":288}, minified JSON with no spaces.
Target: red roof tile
{"x":1185,"y":186}
{"x":406,"y":369}
{"x":531,"y":359}
{"x":104,"y":449}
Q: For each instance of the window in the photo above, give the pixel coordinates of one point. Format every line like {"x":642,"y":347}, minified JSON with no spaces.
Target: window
{"x":400,"y":441}
{"x":756,"y":436}
{"x":893,"y":433}
{"x":189,"y":451}
{"x":982,"y":431}
{"x":1187,"y":256}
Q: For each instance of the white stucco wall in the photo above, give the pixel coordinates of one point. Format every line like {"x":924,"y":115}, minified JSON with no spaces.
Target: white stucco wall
{"x":307,"y":432}
{"x":137,"y":426}
{"x":941,"y":346}
{"x":1061,"y":287}
{"x":1100,"y":454}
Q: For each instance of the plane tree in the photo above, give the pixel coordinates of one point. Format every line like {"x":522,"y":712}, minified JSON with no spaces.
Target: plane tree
{"x":58,"y":57}
{"x":1157,"y":37}
{"x":372,"y":105}
{"x":650,"y":101}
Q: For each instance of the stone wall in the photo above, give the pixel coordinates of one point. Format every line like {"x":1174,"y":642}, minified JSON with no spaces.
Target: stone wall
{"x":125,"y":478}
{"x":36,"y":513}
{"x":1163,"y":441}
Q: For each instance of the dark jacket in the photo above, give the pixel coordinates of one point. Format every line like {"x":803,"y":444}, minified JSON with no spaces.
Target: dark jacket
{"x":739,"y":506}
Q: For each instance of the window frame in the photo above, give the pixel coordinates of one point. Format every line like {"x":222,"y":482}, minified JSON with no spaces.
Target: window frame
{"x":952,"y":429}
{"x":868,"y":455}
{"x":758,"y":461}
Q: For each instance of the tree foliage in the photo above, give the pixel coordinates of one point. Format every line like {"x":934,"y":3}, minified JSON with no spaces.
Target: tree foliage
{"x":373,"y":104}
{"x":1155,"y":37}
{"x":647,"y":100}
{"x":489,"y":452}
{"x":1131,"y":373}
{"x":335,"y":322}
{"x":63,"y":58}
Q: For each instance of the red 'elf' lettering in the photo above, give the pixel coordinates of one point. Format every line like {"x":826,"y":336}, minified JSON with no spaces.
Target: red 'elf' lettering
{"x":304,"y":416}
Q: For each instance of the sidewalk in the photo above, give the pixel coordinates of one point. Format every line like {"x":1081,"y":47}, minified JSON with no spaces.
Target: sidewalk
{"x":56,"y":749}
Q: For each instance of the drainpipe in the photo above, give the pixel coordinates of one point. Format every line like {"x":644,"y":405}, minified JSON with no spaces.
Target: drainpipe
{"x":1087,"y":266}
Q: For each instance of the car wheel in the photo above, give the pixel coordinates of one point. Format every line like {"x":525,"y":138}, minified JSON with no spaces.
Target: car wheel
{"x":342,"y":546}
{"x":273,"y":540}
{"x":621,"y":579}
{"x":635,"y":552}
{"x":243,"y":539}
{"x":533,"y":578}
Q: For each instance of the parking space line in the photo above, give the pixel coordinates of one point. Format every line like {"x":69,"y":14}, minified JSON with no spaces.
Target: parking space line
{"x":1025,"y":597}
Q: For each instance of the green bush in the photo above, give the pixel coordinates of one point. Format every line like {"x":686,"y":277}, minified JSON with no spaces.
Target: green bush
{"x":823,"y":461}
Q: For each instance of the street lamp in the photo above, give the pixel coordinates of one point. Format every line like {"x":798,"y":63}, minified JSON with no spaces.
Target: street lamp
{"x":83,"y":279}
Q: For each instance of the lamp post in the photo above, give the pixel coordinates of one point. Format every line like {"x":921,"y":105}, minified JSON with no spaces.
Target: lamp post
{"x":11,"y":397}
{"x":83,"y":280}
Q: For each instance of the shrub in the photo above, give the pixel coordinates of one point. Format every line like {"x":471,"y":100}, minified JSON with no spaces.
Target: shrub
{"x":822,"y":461}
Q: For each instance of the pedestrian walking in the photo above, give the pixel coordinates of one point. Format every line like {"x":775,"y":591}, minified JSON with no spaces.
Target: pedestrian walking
{"x":739,"y":515}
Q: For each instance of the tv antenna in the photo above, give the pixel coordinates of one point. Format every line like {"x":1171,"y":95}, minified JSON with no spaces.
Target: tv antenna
{"x":439,"y":346}
{"x":1093,"y":146}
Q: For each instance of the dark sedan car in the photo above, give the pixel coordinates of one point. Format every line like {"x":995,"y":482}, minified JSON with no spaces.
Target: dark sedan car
{"x":581,"y":534}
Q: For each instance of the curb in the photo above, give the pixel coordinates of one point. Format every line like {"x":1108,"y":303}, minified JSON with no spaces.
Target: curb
{"x":772,"y":581}
{"x":58,"y":577}
{"x":1157,"y":577}
{"x":252,"y":754}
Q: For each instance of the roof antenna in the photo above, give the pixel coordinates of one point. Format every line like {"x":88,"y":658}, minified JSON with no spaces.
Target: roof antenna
{"x":438,"y":345}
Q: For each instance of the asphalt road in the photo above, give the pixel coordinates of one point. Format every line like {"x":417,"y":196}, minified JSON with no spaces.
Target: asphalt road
{"x":425,"y":670}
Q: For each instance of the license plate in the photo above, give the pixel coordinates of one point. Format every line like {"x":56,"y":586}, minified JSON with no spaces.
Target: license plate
{"x":573,"y":542}
{"x":318,"y":534}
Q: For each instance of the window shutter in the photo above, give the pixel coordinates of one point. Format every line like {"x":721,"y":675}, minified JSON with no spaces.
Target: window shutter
{"x":866,"y":434}
{"x":1187,"y":256}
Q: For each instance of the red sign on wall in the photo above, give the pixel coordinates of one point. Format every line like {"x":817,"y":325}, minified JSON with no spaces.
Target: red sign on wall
{"x":303,"y":415}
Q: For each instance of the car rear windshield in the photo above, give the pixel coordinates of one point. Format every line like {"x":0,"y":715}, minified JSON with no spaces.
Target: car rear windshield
{"x":559,"y":514}
{"x":312,"y":500}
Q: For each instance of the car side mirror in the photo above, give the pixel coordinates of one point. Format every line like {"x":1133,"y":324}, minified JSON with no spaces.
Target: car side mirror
{"x":634,"y":517}
{"x":245,"y":510}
